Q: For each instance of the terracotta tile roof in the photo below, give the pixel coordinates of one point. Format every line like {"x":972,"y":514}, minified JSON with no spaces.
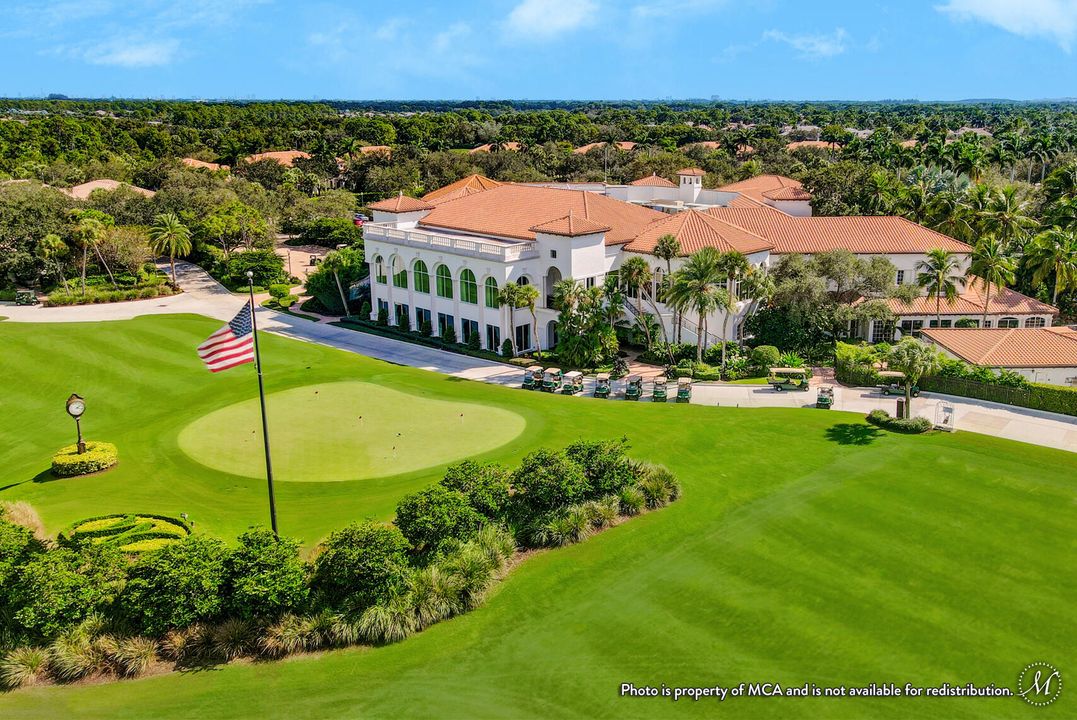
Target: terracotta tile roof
{"x":696,"y":230}
{"x":970,"y":302}
{"x":461,"y":188}
{"x":861,"y":234}
{"x":653,"y":180}
{"x":401,"y":204}
{"x":755,"y":187}
{"x":82,"y":192}
{"x":284,"y":157}
{"x":489,"y":146}
{"x":193,"y":163}
{"x":621,"y":145}
{"x":570,"y":226}
{"x":787,"y":193}
{"x":511,"y":210}
{"x":798,"y":144}
{"x":694,"y":172}
{"x":1008,"y":347}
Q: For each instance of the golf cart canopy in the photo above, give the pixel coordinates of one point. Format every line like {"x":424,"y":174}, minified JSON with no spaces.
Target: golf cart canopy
{"x":534,"y":368}
{"x":573,"y":374}
{"x":684,"y":381}
{"x":660,"y":380}
{"x":602,"y":376}
{"x":891,"y":374}
{"x":635,"y":378}
{"x":788,"y":371}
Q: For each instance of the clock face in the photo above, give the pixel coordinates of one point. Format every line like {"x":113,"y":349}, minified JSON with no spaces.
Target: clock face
{"x":76,"y":408}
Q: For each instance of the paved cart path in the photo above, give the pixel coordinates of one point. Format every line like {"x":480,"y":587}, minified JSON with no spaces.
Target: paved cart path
{"x":205,"y":296}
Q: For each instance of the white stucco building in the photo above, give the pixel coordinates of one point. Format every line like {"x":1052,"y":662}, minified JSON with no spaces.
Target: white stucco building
{"x":1043,"y":355}
{"x":442,"y":259}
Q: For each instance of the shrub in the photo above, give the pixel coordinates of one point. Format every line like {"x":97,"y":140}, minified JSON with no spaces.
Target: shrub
{"x":603,"y":512}
{"x":632,"y":500}
{"x":546,"y":480}
{"x":364,"y":310}
{"x":604,"y":464}
{"x":134,"y":655}
{"x":389,"y":621}
{"x":435,"y":517}
{"x":265,"y":576}
{"x":497,"y":544}
{"x":383,"y":316}
{"x":474,"y":342}
{"x":765,"y":357}
{"x":507,"y":349}
{"x":98,"y":456}
{"x":290,"y":634}
{"x":175,"y":586}
{"x":360,"y":565}
{"x":433,"y":595}
{"x":448,"y":334}
{"x":426,"y":329}
{"x":471,"y":572}
{"x":564,"y":527}
{"x":266,"y":265}
{"x":23,"y":666}
{"x":330,"y":232}
{"x":233,"y":638}
{"x":74,"y":655}
{"x":911,"y":426}
{"x":279,"y":290}
{"x":658,"y":486}
{"x":187,"y":644}
{"x":486,"y":487}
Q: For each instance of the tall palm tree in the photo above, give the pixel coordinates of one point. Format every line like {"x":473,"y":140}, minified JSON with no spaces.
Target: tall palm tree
{"x":698,"y":286}
{"x":734,"y":265}
{"x":938,"y":276}
{"x":1053,"y":252}
{"x":334,"y":263}
{"x":51,"y":249}
{"x":915,"y":359}
{"x":635,"y":275}
{"x":169,"y":236}
{"x":509,"y":296}
{"x":567,"y":294}
{"x":667,"y":248}
{"x":994,"y":266}
{"x":528,"y":297}
{"x":89,"y":232}
{"x":1007,"y":217}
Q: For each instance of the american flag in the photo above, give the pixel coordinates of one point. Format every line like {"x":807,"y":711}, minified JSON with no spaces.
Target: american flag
{"x":232,"y":345}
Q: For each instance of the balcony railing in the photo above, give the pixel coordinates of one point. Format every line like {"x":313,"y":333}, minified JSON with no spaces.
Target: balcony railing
{"x":502,"y":252}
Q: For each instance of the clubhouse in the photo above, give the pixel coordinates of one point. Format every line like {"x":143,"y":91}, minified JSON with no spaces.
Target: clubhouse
{"x":442,"y":258}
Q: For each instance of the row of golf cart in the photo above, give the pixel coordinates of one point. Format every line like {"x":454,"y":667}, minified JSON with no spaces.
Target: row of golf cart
{"x":571,"y":383}
{"x":796,"y":380}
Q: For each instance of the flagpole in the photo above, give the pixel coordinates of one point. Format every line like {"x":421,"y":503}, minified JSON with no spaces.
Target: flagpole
{"x":262,"y":399}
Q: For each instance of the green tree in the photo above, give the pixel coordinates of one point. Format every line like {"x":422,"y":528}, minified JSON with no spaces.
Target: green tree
{"x":697,"y":286}
{"x":937,"y":275}
{"x":52,"y":250}
{"x":509,"y":295}
{"x":169,"y":236}
{"x":334,"y":262}
{"x":90,"y":230}
{"x":435,"y":518}
{"x":265,"y":577}
{"x":1054,"y":252}
{"x":544,"y":481}
{"x":915,"y":359}
{"x":734,"y":265}
{"x":485,"y":486}
{"x":666,"y":248}
{"x":994,"y":266}
{"x":360,"y":565}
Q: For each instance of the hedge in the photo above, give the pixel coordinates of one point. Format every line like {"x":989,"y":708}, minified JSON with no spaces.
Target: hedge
{"x":911,"y":426}
{"x":93,"y":297}
{"x":98,"y":456}
{"x":1036,"y":396}
{"x":850,"y":367}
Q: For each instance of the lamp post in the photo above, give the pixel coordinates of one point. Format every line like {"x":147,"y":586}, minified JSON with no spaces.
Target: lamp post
{"x":75,"y":407}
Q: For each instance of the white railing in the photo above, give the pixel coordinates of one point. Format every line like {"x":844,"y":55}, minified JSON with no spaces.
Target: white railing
{"x":503,"y":252}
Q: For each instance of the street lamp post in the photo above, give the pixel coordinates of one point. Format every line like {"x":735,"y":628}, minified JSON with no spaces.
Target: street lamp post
{"x":75,"y":407}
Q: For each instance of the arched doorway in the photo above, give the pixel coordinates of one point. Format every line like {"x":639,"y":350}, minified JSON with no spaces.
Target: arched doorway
{"x":553,"y":276}
{"x":551,"y":334}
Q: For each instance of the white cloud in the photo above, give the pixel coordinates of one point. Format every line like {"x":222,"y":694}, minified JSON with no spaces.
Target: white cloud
{"x":1053,"y":19}
{"x":812,"y":45}
{"x":548,"y":19}
{"x":390,"y":29}
{"x":131,"y":54}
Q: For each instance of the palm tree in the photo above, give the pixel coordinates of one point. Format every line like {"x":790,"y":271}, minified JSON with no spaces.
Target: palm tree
{"x":635,"y":275}
{"x":734,"y":265}
{"x":509,"y":295}
{"x":527,"y":297}
{"x":698,"y":286}
{"x":89,"y":231}
{"x":1054,"y":252}
{"x":915,"y":359}
{"x":1007,"y":217}
{"x":937,"y":276}
{"x":667,"y":248}
{"x":50,"y":249}
{"x":334,"y":263}
{"x":994,"y":267}
{"x":567,"y":294}
{"x":169,"y":236}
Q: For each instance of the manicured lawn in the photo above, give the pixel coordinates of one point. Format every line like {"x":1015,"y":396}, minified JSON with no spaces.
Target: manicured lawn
{"x":808,"y":547}
{"x":750,"y":381}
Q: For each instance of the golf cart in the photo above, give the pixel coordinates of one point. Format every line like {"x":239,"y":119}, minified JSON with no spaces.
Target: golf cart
{"x":634,"y":388}
{"x":893,"y":383}
{"x":533,"y":377}
{"x":658,"y":394}
{"x":684,"y":389}
{"x":788,"y":379}
{"x":25,"y":297}
{"x":553,"y":381}
{"x":602,"y":385}
{"x":573,"y":383}
{"x":825,"y":399}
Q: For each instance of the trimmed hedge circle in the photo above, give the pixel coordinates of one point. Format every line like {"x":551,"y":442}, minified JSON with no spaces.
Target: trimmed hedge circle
{"x":98,"y":456}
{"x":130,"y":532}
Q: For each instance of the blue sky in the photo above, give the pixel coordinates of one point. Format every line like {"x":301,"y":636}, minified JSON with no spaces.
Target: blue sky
{"x":540,"y":49}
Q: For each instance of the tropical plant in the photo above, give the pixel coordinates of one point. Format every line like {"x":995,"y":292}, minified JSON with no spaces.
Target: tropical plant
{"x":334,"y":262}
{"x":698,"y":286}
{"x":233,"y":638}
{"x":52,"y":249}
{"x":23,"y":666}
{"x":938,"y":276}
{"x":1053,"y":253}
{"x":169,"y":236}
{"x":915,"y":359}
{"x":994,"y":266}
{"x":635,"y":276}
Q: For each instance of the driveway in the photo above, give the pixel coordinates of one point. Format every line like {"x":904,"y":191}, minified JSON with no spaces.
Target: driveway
{"x":205,"y":296}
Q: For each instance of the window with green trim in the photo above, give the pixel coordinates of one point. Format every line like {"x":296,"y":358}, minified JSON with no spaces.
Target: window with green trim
{"x":422,"y":277}
{"x":400,"y":279}
{"x":444,"y":281}
{"x":492,"y":299}
{"x":469,"y":289}
{"x":379,"y":269}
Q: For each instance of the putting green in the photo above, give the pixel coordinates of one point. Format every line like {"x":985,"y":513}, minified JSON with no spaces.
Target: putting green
{"x":346,"y":431}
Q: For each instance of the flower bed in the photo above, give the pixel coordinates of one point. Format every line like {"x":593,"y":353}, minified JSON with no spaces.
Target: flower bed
{"x":68,"y":462}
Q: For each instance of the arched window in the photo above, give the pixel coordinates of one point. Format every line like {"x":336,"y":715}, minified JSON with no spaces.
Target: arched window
{"x":422,"y":277}
{"x":524,"y":280}
{"x":492,"y":299}
{"x":379,"y":269}
{"x":469,"y":289}
{"x":1035,"y":322}
{"x":444,"y":281}
{"x":1007,"y":322}
{"x":400,"y":274}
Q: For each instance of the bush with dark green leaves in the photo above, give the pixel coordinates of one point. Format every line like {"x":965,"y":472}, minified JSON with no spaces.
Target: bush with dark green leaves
{"x":265,"y":576}
{"x":546,"y":480}
{"x":267,"y":266}
{"x":765,"y":357}
{"x":911,"y":426}
{"x":436,"y":518}
{"x":330,"y":232}
{"x":605,"y":464}
{"x":507,"y":349}
{"x":181,"y":583}
{"x":279,"y":290}
{"x":486,"y":486}
{"x":360,"y":565}
{"x":448,"y":334}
